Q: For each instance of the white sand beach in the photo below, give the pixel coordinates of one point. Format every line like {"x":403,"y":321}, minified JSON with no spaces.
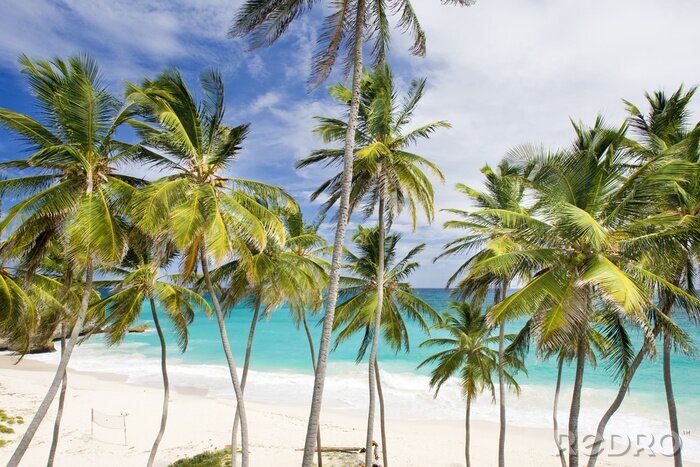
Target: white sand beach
{"x":198,"y":423}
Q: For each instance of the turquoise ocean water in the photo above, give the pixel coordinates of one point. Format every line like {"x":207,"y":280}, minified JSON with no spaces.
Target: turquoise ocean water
{"x":281,"y":374}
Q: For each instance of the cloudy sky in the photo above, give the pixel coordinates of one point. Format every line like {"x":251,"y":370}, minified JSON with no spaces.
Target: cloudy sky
{"x":503,"y":72}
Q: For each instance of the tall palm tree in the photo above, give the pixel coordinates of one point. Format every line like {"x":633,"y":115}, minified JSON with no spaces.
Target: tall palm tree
{"x":469,"y":355}
{"x":208,"y":215}
{"x":578,"y":235}
{"x":344,"y":31}
{"x":504,"y":190}
{"x":140,"y":282}
{"x":76,"y":195}
{"x":665,"y":134}
{"x":386,"y":175}
{"x":359,"y":295}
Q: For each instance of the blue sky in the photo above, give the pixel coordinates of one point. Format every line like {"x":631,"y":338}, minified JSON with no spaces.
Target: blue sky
{"x":503,"y":72}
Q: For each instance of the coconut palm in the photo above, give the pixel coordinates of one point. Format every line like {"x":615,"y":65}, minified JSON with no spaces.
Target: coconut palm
{"x":469,"y":355}
{"x":359,"y":295}
{"x":665,"y":134}
{"x":485,"y":235}
{"x":386,"y":175}
{"x":72,"y":192}
{"x":291,"y":273}
{"x":141,"y":282}
{"x":344,"y":31}
{"x":208,"y":215}
{"x":578,"y":235}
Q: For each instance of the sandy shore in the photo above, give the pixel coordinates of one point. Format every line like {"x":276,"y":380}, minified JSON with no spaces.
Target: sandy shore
{"x":197,"y":423}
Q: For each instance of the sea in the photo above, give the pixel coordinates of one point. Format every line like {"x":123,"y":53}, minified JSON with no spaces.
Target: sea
{"x":281,"y":373}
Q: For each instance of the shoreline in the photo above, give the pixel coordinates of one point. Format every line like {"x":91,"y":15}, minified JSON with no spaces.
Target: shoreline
{"x":198,"y":422}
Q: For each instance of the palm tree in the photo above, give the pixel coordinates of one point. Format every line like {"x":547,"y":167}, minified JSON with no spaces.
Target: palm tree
{"x":343,"y":32}
{"x":208,"y":215}
{"x":357,"y":312}
{"x":579,"y":245}
{"x":505,"y":189}
{"x":140,"y":282}
{"x":386,"y":175}
{"x":76,"y":196}
{"x":291,"y":272}
{"x":665,"y":134}
{"x":468,"y":354}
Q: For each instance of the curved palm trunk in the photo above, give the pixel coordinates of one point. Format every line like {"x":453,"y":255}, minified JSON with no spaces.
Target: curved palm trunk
{"x":343,"y":216}
{"x":166,"y":386}
{"x":377,"y":327}
{"x":671,"y":403}
{"x":555,"y":420}
{"x":466,"y":430}
{"x":385,"y":456}
{"x":244,"y":377}
{"x":319,"y":454}
{"x":240,"y":404}
{"x":61,"y":403}
{"x":576,"y":402}
{"x":60,"y":372}
{"x":617,"y":402}
{"x":501,"y":386}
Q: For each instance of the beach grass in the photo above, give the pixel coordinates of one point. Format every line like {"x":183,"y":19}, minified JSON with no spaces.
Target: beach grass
{"x":219,"y":458}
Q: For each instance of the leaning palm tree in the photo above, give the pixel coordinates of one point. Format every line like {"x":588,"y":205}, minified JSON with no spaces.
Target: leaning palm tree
{"x":469,"y":355}
{"x":344,"y":31}
{"x":140,"y":282}
{"x":387,"y":176}
{"x":359,"y":295}
{"x":291,"y":273}
{"x":665,"y":134}
{"x":578,"y":236}
{"x":208,"y":215}
{"x":485,"y":235}
{"x":73,"y":192}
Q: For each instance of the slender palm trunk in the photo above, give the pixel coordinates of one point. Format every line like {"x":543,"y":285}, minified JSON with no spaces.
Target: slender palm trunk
{"x":576,"y":402}
{"x":166,"y":385}
{"x":555,"y":420}
{"x":240,"y":404}
{"x":61,"y":403}
{"x":671,"y":403}
{"x":313,"y":365}
{"x":377,"y":327}
{"x":60,"y":372}
{"x":501,"y":385}
{"x":343,"y":216}
{"x":244,"y":377}
{"x":617,"y":402}
{"x":382,"y":419}
{"x":466,"y":430}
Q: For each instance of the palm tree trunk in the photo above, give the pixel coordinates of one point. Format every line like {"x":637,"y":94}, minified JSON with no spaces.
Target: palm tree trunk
{"x":240,"y":404}
{"x":166,"y":385}
{"x":555,"y":421}
{"x":343,"y":217}
{"x":64,"y":382}
{"x":319,"y":454}
{"x":244,"y":377}
{"x":466,"y":436}
{"x":377,"y":326}
{"x":60,"y":371}
{"x":617,"y":402}
{"x":501,"y":385}
{"x":382,"y":419}
{"x":61,"y":403}
{"x":576,"y":402}
{"x":671,"y":403}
